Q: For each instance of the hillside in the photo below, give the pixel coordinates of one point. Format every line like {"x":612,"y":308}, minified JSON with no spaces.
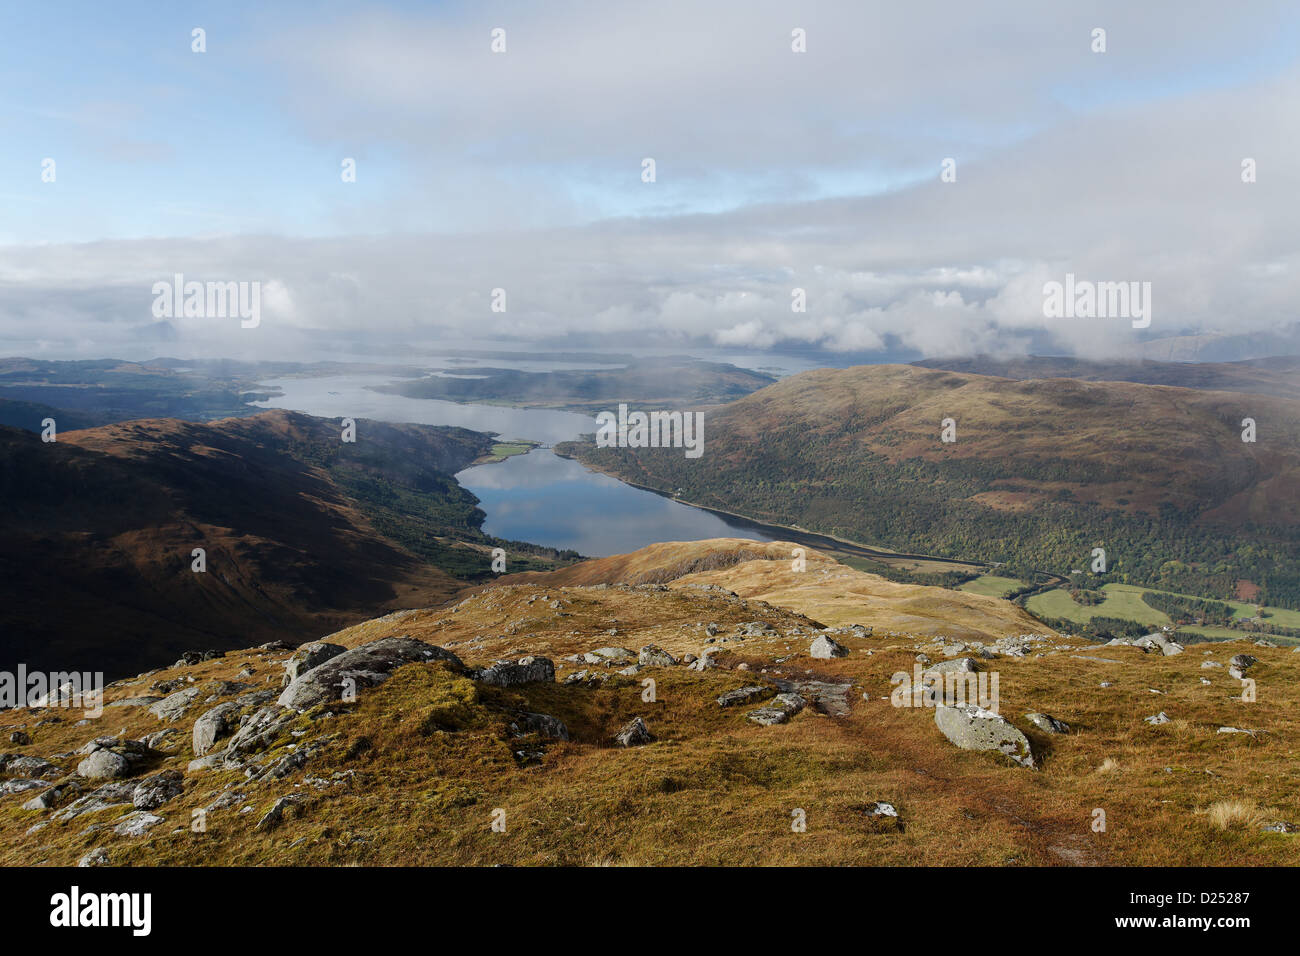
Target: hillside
{"x":825,"y":589}
{"x":1041,"y":472}
{"x":302,"y":532}
{"x":462,"y":746}
{"x":1278,"y":376}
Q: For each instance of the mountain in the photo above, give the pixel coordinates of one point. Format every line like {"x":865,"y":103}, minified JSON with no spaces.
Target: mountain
{"x":1278,"y":376}
{"x":484,"y":733}
{"x":302,"y":532}
{"x":1041,"y":472}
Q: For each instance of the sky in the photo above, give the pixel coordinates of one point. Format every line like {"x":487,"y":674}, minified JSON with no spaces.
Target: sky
{"x":775,"y":170}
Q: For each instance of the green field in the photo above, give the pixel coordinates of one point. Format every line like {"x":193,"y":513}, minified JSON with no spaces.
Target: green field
{"x":1122,"y":601}
{"x":1125,"y":601}
{"x":992,"y":585}
{"x":506,"y":449}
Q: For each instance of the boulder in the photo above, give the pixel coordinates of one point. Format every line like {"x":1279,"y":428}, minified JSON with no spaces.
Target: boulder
{"x":526,"y":670}
{"x":743,"y":695}
{"x":634,"y":734}
{"x":309,"y":656}
{"x":543,"y":724}
{"x":1160,"y":718}
{"x":212,"y":726}
{"x":958,"y":665}
{"x":19,"y":739}
{"x":973,"y":728}
{"x":366,"y":666}
{"x":605,"y":655}
{"x":781,"y":709}
{"x":137,"y":823}
{"x":152,"y":792}
{"x":824,"y":648}
{"x":654,"y":656}
{"x":1239,"y":664}
{"x":174,"y":705}
{"x":104,"y":765}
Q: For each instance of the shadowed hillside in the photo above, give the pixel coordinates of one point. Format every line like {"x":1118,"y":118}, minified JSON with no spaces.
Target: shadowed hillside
{"x":302,"y":533}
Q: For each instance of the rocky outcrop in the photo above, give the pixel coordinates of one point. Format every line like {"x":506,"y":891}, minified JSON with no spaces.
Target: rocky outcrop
{"x":781,"y":709}
{"x":366,"y":666}
{"x":309,"y":656}
{"x":634,"y":734}
{"x":824,"y":648}
{"x":526,"y":670}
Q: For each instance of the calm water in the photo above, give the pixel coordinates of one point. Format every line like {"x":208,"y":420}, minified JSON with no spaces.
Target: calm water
{"x":539,"y":497}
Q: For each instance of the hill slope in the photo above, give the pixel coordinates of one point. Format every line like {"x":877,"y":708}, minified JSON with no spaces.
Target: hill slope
{"x":418,"y":769}
{"x":1041,"y":472}
{"x":302,"y":533}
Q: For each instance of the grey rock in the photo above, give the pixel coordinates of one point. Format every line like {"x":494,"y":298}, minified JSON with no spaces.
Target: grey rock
{"x":54,"y":797}
{"x":146,"y":701}
{"x":543,"y":724}
{"x":212,"y":726}
{"x":824,"y":648}
{"x":780,"y":710}
{"x":28,"y":766}
{"x":1160,"y":718}
{"x":21,"y":785}
{"x":634,"y":734}
{"x":275,"y":816}
{"x":654,"y":656}
{"x":366,"y":666}
{"x":1048,"y":724}
{"x":137,"y":823}
{"x":605,"y":655}
{"x":744,"y":695}
{"x":526,"y":670}
{"x":972,"y":728}
{"x":1280,"y":826}
{"x":174,"y":705}
{"x":152,"y":792}
{"x":308,"y":656}
{"x":104,"y":765}
{"x":959,"y":665}
{"x":19,"y":739}
{"x":96,"y":857}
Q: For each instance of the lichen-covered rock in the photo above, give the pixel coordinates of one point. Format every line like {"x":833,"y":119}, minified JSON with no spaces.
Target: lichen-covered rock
{"x":744,"y":695}
{"x":212,"y":726}
{"x":781,"y":709}
{"x":654,"y":656}
{"x":361,"y":667}
{"x":104,"y":765}
{"x":152,"y":792}
{"x":526,"y":670}
{"x":308,"y":656}
{"x":174,"y":705}
{"x":973,"y":728}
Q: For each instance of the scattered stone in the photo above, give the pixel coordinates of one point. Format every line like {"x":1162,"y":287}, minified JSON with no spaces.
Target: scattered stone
{"x":212,"y":726}
{"x":634,"y":734}
{"x":1240,"y":663}
{"x":781,"y":708}
{"x":654,"y":656}
{"x":152,"y":792}
{"x":606,"y":655}
{"x":1280,"y":826}
{"x":960,"y":665}
{"x":543,"y":724}
{"x":1160,"y":718}
{"x":1048,"y":724}
{"x":137,"y":823}
{"x":273,"y":817}
{"x":146,"y":701}
{"x":96,"y":857}
{"x":744,"y":695}
{"x":174,"y":705}
{"x":825,"y":648}
{"x":19,"y":739}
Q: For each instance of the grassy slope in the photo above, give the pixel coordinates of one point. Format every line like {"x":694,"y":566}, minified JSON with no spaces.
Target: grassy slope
{"x":412,"y":772}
